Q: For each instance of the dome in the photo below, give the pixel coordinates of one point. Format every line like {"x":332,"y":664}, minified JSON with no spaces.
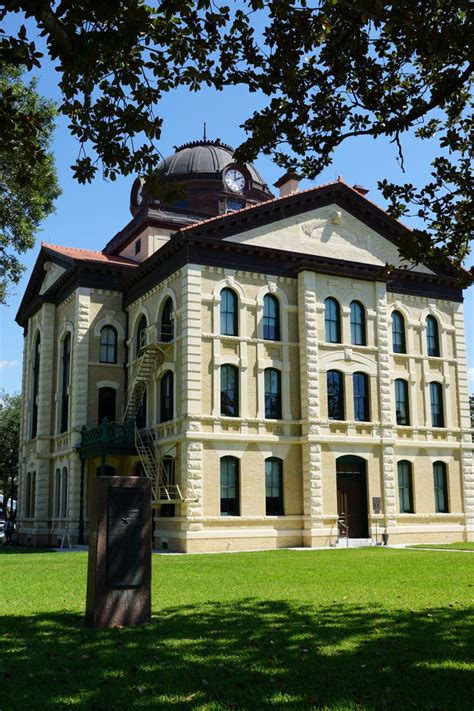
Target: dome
{"x":203,"y":158}
{"x":210,"y":180}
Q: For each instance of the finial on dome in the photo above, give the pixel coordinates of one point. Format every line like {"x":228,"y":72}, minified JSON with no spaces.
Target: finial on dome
{"x":204,"y":134}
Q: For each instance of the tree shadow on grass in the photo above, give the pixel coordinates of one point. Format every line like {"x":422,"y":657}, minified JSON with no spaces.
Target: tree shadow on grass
{"x":9,"y":550}
{"x":250,"y":655}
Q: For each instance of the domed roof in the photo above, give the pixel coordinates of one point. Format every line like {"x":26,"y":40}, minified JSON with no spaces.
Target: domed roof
{"x":204,"y":157}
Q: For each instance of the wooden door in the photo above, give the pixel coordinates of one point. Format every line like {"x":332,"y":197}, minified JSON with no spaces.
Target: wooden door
{"x":352,"y":495}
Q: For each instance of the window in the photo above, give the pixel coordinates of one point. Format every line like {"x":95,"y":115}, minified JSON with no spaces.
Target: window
{"x":405,"y":487}
{"x":168,"y":478}
{"x":229,"y":486}
{"x":398,"y":333}
{"x":358,"y":333}
{"x":335,"y":388}
{"x":402,"y":409}
{"x":233,"y":205}
{"x":64,"y":492}
{"x":30,"y":495}
{"x":138,"y":246}
{"x":107,"y":403}
{"x":57,"y":493}
{"x":141,"y":416}
{"x":271,"y":318}
{"x":437,"y":409}
{"x":108,"y":345}
{"x":65,"y":368}
{"x":272,"y":394}
{"x":440,"y":481}
{"x":361,"y":397}
{"x":273,"y":487}
{"x":432,"y":337}
{"x":166,"y":397}
{"x":229,"y":325}
{"x":229,"y":391}
{"x":141,"y":336}
{"x":36,"y":368}
{"x":167,"y":325}
{"x":332,"y":319}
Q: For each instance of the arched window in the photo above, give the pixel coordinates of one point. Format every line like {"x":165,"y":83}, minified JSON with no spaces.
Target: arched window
{"x":432,"y":337}
{"x":35,"y":389}
{"x":106,"y":470}
{"x":402,"y":407}
{"x":271,"y":318}
{"x":141,"y":336}
{"x":64,"y":493}
{"x":167,"y":324}
{"x":166,"y":397}
{"x":272,"y":394}
{"x":230,"y":504}
{"x":398,"y":333}
{"x":361,"y":397}
{"x":273,"y":487}
{"x":440,"y":482}
{"x":358,"y":332}
{"x":405,"y":487}
{"x":335,"y":388}
{"x":108,"y":345}
{"x":65,"y":376}
{"x":107,"y":404}
{"x":437,"y":407}
{"x":229,"y":320}
{"x":229,"y":391}
{"x":332,"y":320}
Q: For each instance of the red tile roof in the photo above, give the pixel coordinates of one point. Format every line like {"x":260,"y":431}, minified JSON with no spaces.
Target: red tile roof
{"x":89,"y":255}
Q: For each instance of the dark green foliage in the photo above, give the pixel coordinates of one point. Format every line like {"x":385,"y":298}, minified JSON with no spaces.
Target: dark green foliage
{"x":28,"y":183}
{"x":329,"y":70}
{"x":10,"y":414}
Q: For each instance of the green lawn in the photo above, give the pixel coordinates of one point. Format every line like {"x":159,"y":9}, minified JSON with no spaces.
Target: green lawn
{"x":451,"y":546}
{"x":345,"y":629}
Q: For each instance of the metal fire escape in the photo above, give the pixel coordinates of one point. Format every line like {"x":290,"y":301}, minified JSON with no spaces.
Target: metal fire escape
{"x":154,"y":345}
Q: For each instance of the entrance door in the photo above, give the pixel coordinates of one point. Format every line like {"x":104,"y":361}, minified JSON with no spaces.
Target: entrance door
{"x":352,"y":495}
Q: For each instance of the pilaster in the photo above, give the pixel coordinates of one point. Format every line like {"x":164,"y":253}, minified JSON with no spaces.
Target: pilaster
{"x":191,"y":344}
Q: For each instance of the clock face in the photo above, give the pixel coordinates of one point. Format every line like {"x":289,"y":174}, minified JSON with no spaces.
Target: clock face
{"x":234,"y":180}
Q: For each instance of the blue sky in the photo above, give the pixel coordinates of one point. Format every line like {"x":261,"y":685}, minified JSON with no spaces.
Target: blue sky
{"x":88,"y":216}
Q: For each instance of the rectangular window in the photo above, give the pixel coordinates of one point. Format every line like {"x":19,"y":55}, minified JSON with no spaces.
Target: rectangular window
{"x":440,"y":487}
{"x":273,"y":487}
{"x":361,"y":397}
{"x":437,"y":409}
{"x":335,"y":390}
{"x":138,"y":246}
{"x":229,"y":486}
{"x":405,"y":490}
{"x":402,"y":410}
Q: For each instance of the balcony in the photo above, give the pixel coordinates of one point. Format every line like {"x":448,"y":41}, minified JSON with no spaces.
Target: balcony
{"x":108,"y":438}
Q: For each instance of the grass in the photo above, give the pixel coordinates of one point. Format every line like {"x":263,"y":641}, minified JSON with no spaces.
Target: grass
{"x":358,"y":629}
{"x":451,"y":546}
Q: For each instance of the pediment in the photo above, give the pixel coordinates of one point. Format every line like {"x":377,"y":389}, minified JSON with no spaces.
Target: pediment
{"x":328,"y":231}
{"x":53,"y":272}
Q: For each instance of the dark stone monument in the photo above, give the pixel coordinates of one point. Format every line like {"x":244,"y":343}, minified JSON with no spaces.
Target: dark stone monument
{"x":119,"y":570}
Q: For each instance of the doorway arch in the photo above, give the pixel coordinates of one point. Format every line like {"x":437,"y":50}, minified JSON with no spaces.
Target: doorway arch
{"x":351,"y":477}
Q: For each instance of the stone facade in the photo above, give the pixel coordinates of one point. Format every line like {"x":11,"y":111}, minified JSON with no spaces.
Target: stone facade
{"x":305,"y":438}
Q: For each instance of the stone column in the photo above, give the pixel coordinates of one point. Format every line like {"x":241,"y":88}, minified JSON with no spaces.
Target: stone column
{"x":191,"y":340}
{"x":385,"y":385}
{"x":462,"y":396}
{"x":79,"y":396}
{"x":44,"y":430}
{"x":312,"y":475}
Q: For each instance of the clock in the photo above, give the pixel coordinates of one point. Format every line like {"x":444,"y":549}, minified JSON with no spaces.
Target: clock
{"x":234,"y":180}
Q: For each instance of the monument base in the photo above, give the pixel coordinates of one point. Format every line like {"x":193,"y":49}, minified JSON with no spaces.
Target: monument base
{"x":119,"y":566}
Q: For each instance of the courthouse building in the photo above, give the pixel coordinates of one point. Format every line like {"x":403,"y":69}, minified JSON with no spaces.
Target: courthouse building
{"x":252,"y":355}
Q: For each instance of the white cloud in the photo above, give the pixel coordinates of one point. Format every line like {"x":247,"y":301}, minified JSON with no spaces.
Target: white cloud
{"x":9,"y":363}
{"x":470,"y":379}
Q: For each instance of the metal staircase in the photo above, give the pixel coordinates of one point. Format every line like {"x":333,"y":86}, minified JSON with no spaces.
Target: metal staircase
{"x":153,"y":352}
